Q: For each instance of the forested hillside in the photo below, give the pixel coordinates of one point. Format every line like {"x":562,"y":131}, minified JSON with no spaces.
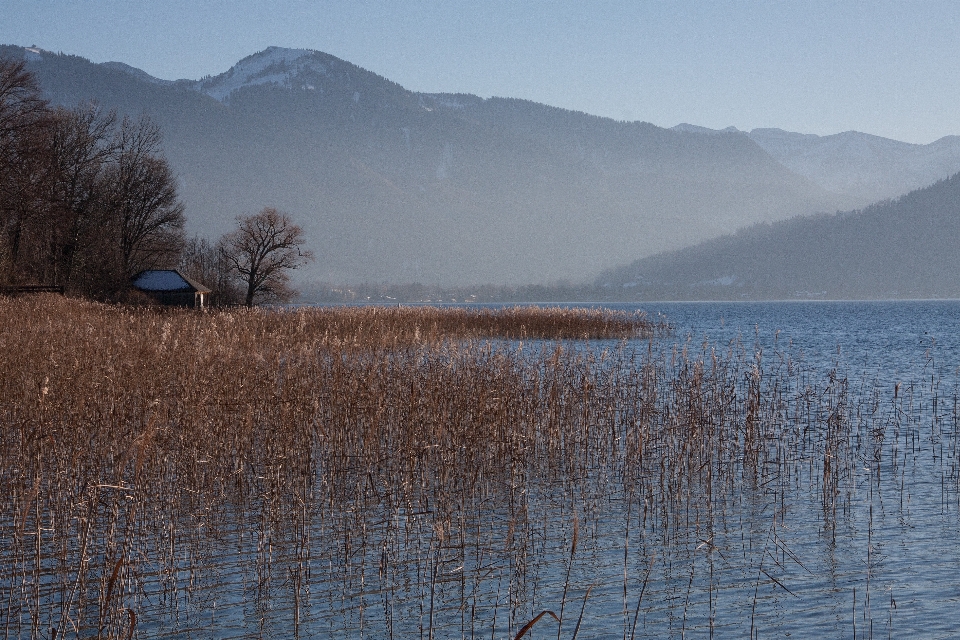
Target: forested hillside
{"x":903,"y":248}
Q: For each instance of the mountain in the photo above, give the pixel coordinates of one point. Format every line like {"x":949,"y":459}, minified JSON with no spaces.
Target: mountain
{"x":392,"y":185}
{"x":865,"y":167}
{"x":903,"y":248}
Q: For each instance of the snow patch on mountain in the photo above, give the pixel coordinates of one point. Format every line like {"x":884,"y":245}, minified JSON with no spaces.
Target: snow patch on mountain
{"x":275,"y":65}
{"x":693,"y":128}
{"x":442,"y":100}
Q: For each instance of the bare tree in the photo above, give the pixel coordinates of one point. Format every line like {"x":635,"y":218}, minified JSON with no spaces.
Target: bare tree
{"x":81,"y":147}
{"x":262,"y":252}
{"x":23,"y":116}
{"x":141,"y":201}
{"x":50,"y":188}
{"x":20,"y":101}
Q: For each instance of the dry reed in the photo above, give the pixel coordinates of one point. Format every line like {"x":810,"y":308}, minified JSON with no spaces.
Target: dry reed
{"x":342,"y":468}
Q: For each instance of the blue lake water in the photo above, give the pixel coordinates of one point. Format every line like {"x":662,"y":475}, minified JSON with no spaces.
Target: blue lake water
{"x":765,"y":563}
{"x":890,"y":564}
{"x":889,"y":337}
{"x":893,"y":567}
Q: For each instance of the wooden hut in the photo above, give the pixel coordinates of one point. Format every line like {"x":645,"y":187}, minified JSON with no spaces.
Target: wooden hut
{"x":170,"y":287}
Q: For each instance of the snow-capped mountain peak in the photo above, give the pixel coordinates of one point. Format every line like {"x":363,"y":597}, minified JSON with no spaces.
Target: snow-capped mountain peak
{"x":274,"y":65}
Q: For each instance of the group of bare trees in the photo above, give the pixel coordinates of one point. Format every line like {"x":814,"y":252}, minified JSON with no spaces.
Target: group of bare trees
{"x":87,"y":199}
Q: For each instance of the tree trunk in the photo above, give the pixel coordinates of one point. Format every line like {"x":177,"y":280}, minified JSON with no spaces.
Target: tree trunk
{"x":251,"y":289}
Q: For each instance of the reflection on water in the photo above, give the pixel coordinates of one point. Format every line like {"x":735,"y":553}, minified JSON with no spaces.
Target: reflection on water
{"x":769,"y":470}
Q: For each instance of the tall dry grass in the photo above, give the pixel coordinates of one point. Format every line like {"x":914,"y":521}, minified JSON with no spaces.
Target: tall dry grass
{"x":367,"y":466}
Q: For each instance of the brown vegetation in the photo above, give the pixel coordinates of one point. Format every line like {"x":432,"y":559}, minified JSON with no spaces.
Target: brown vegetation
{"x":326,"y":469}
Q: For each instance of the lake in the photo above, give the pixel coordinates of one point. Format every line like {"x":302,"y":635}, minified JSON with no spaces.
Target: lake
{"x":892,"y":568}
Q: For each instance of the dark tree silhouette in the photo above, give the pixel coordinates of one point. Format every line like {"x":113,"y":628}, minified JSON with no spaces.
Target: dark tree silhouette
{"x":79,"y":147}
{"x":86,"y":200}
{"x":262,"y":252}
{"x":141,"y":201}
{"x":22,"y":120}
{"x":21,"y":104}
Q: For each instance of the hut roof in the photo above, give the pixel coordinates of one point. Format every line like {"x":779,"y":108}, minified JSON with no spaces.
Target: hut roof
{"x":169,"y":280}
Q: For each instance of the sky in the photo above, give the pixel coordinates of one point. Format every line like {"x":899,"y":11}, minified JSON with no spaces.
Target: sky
{"x":882,"y":67}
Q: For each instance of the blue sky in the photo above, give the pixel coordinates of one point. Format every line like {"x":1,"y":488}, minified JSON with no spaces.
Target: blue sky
{"x":887,"y":68}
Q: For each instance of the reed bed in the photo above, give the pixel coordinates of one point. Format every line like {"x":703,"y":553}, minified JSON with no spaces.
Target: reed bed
{"x":426,"y":323}
{"x":386,"y":472}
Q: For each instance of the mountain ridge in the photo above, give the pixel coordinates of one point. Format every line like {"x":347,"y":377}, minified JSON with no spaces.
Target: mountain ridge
{"x":391,"y":185}
{"x":863,"y":166}
{"x":898,"y":248}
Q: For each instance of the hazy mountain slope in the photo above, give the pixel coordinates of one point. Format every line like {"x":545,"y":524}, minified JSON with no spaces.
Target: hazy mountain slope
{"x":866,"y":167}
{"x":862,"y":165}
{"x":396,"y":186}
{"x":905,"y":248}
